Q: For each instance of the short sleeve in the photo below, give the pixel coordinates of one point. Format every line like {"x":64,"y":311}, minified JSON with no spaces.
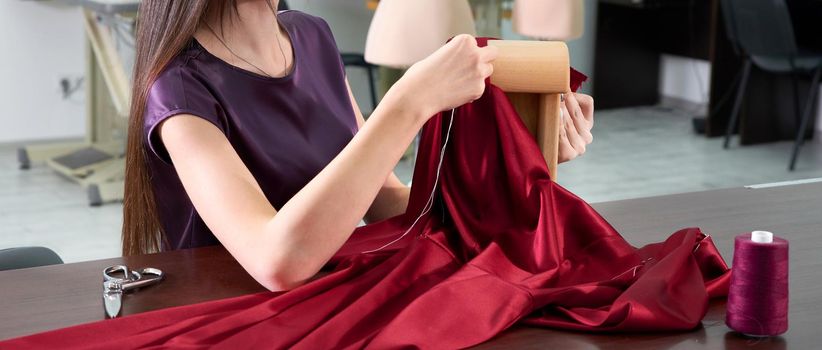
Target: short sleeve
{"x":179,"y":90}
{"x":326,"y":30}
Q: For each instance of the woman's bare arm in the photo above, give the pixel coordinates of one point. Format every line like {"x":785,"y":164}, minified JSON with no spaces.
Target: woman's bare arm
{"x":392,"y":199}
{"x":282,"y":249}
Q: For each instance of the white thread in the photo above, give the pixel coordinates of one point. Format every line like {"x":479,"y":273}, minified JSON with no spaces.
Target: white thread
{"x":762,"y":237}
{"x":430,"y":203}
{"x":698,"y":244}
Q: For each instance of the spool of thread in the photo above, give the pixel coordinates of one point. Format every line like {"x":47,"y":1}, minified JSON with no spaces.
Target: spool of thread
{"x":758,"y":294}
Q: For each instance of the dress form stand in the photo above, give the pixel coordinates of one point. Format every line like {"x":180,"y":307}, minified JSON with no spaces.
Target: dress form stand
{"x":534,"y":74}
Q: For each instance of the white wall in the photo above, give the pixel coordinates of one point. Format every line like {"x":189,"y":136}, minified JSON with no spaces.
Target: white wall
{"x":41,"y":43}
{"x":685,"y":79}
{"x":44,"y":42}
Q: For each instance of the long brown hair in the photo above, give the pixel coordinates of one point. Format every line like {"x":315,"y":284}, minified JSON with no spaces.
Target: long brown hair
{"x":164,"y":28}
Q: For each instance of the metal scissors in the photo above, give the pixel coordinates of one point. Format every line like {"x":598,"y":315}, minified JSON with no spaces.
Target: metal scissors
{"x":119,"y":279}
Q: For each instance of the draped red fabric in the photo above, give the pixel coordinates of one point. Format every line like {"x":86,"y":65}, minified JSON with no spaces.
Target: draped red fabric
{"x":502,"y":244}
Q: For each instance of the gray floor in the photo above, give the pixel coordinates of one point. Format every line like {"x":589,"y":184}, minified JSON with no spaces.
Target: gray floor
{"x":637,"y":152}
{"x":641,"y":152}
{"x":38,"y":207}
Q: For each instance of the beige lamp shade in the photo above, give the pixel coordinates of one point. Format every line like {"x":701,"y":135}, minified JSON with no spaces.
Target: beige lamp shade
{"x":549,"y":19}
{"x":403,"y":32}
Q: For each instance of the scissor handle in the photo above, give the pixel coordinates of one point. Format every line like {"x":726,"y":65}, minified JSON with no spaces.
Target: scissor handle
{"x":149,"y":276}
{"x":128,"y":275}
{"x":136,"y":279}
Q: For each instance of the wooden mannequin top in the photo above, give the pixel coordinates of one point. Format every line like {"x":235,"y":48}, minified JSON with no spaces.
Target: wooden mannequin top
{"x":534,"y":74}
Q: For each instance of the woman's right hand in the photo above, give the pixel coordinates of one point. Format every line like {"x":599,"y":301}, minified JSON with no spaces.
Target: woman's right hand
{"x":450,"y":77}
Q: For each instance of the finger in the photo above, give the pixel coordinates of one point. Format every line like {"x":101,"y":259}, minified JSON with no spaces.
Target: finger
{"x":561,"y":117}
{"x":571,"y":103}
{"x":486,"y":69}
{"x":586,"y":103}
{"x":582,"y":126}
{"x":563,"y":114}
{"x":488,"y":54}
{"x":460,"y":44}
{"x":573,"y":136}
{"x":562,"y":134}
{"x":464,"y":39}
{"x":566,"y":151}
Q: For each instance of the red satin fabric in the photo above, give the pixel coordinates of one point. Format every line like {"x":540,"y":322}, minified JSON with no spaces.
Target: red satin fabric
{"x":503,"y":244}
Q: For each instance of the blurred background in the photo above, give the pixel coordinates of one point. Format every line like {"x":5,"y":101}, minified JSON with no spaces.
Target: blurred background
{"x":690,"y":95}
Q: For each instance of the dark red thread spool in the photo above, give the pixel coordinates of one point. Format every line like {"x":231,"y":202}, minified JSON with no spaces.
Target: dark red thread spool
{"x":758,"y":295}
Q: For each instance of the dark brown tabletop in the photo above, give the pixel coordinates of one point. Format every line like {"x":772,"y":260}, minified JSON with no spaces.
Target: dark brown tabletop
{"x":44,"y":298}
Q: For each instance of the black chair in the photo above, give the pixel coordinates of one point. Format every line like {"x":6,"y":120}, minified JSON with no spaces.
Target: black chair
{"x":358,"y":60}
{"x":25,"y":257}
{"x":762,"y":32}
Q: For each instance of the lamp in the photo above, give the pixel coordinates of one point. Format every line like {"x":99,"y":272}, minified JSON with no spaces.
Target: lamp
{"x":403,"y":32}
{"x":549,"y":19}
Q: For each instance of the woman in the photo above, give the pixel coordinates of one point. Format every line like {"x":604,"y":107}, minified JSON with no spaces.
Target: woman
{"x":244,"y":132}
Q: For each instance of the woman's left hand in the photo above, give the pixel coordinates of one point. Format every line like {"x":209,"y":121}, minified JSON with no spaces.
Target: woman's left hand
{"x":577,"y":121}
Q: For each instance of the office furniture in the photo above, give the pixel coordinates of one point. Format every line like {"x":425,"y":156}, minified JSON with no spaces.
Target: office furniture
{"x":25,"y":257}
{"x":763,"y":32}
{"x":631,"y":35}
{"x":97,"y":163}
{"x":31,"y":303}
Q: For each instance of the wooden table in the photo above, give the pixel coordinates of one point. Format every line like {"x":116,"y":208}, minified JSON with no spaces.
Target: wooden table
{"x":39,"y":299}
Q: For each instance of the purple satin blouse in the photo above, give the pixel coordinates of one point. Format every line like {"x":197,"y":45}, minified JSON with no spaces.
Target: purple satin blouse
{"x":285,"y":129}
